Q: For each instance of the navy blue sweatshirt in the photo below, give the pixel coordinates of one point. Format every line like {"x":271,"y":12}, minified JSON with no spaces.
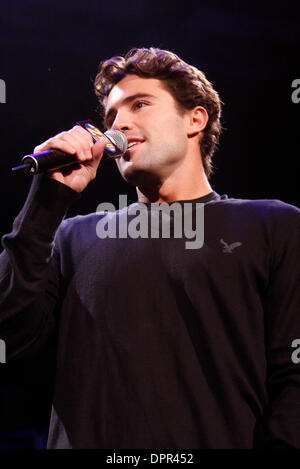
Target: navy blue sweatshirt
{"x":159,"y":346}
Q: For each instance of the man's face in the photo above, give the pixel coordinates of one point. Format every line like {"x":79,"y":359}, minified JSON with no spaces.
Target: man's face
{"x":147,"y":114}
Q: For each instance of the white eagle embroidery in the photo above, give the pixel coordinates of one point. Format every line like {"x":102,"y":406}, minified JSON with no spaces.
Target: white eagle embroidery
{"x":228,"y":248}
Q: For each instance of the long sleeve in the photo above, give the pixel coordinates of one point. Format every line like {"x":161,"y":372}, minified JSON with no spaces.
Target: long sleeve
{"x":29,"y":270}
{"x":283,"y":327}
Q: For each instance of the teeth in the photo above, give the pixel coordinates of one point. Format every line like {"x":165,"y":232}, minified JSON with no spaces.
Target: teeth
{"x":132,"y":143}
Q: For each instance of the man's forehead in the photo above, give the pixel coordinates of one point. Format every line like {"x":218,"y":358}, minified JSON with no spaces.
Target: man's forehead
{"x":132,"y":84}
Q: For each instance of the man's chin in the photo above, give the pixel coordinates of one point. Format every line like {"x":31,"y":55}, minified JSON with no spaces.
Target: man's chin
{"x":138,"y":176}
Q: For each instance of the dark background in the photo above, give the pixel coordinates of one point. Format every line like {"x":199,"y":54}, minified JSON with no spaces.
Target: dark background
{"x":49,"y":56}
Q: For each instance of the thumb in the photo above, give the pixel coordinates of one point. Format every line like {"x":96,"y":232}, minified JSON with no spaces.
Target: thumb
{"x":99,"y":146}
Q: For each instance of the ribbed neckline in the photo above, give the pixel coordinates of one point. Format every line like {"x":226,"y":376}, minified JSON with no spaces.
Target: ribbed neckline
{"x":204,"y":199}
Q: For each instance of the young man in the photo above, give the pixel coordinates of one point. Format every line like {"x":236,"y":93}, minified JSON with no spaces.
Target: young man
{"x":159,"y":346}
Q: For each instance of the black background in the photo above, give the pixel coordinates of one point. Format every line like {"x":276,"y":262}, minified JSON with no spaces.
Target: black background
{"x":49,"y":56}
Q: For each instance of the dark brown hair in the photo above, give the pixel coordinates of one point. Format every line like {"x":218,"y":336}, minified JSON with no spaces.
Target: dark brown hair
{"x":188,"y":86}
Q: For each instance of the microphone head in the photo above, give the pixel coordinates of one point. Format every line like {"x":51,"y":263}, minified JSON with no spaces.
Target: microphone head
{"x":119,"y":140}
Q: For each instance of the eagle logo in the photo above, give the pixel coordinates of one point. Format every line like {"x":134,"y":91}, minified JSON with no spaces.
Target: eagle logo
{"x":228,"y":248}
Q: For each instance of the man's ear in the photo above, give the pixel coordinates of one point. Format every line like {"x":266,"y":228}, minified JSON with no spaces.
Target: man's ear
{"x":197,"y":119}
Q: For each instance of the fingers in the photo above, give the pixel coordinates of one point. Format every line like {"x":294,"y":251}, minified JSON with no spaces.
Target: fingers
{"x":75,"y":141}
{"x":98,"y":147}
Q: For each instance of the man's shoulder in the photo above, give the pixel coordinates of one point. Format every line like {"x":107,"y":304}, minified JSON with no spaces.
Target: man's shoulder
{"x":265,"y":207}
{"x":89,"y":221}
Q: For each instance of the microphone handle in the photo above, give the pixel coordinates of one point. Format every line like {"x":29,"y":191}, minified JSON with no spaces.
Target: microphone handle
{"x":47,"y":160}
{"x":54,"y":159}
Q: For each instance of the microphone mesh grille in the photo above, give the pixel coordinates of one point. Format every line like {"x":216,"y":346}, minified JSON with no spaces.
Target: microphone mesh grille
{"x":118,"y":139}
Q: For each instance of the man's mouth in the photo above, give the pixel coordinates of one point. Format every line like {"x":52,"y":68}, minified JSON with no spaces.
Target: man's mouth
{"x":132,"y":144}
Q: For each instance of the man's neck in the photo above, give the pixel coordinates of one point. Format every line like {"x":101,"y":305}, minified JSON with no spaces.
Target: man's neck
{"x":171,"y":190}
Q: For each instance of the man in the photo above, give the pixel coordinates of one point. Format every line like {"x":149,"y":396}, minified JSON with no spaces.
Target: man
{"x":159,"y":346}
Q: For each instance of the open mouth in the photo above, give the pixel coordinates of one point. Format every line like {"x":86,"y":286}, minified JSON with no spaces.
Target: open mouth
{"x":131,"y":146}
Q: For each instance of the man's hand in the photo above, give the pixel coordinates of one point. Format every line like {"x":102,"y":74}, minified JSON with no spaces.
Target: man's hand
{"x":79,"y":142}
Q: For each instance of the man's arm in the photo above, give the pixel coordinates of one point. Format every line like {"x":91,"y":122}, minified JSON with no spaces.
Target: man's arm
{"x":29,"y":270}
{"x":283,"y":327}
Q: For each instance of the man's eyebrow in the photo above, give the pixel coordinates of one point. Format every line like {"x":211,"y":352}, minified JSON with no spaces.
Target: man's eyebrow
{"x":126,"y":100}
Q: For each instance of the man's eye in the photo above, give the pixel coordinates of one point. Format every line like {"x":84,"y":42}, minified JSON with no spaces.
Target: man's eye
{"x":139,"y":104}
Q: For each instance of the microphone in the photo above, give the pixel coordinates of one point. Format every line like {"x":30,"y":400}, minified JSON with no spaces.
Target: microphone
{"x":55,"y":159}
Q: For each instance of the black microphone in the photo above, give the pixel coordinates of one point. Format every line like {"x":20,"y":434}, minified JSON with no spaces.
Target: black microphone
{"x":55,"y":159}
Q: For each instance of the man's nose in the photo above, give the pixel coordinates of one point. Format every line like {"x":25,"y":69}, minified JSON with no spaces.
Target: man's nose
{"x":122,"y":121}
